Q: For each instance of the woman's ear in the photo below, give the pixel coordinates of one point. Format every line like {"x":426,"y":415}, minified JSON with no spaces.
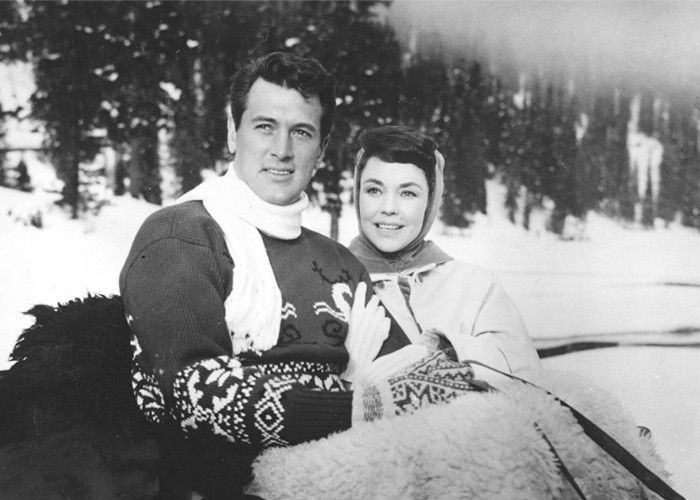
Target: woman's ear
{"x":231,"y":134}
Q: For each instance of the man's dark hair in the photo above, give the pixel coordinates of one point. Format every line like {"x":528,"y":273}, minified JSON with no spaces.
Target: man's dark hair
{"x":399,"y":144}
{"x":305,"y":75}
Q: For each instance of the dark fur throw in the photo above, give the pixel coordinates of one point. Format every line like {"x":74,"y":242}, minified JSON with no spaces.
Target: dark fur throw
{"x":70,"y":425}
{"x":72,"y":367}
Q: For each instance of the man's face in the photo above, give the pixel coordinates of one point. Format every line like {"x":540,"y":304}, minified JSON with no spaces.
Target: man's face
{"x":277,"y":142}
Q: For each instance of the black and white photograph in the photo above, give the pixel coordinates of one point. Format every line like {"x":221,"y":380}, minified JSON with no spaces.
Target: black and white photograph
{"x":398,"y":249}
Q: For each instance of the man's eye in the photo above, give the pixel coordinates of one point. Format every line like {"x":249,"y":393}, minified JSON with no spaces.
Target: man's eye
{"x":302,"y":133}
{"x":263,"y":126}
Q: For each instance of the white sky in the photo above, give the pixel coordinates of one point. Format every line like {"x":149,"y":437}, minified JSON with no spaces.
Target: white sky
{"x":655,"y":43}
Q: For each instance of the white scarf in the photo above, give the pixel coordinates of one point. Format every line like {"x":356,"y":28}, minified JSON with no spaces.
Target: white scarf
{"x":254,"y":307}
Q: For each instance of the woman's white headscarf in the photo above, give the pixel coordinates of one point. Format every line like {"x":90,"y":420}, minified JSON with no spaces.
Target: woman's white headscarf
{"x":417,"y":253}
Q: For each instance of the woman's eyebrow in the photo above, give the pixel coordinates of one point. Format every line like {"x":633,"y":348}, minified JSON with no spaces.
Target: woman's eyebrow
{"x":372,"y":180}
{"x":411,"y":184}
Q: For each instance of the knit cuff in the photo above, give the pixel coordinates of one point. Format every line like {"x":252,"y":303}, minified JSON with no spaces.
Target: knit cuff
{"x":372,"y":402}
{"x":312,"y":414}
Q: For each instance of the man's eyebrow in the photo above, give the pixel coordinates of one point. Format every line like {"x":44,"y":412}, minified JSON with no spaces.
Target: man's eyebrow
{"x":263,"y":118}
{"x":269,"y":119}
{"x":306,"y":125}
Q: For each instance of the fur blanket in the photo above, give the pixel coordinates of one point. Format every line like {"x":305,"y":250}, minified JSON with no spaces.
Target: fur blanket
{"x":483,"y":445}
{"x":71,"y":428}
{"x":70,"y":424}
{"x":72,"y":367}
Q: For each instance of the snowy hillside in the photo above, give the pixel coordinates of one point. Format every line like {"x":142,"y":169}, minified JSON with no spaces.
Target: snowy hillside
{"x":617,"y":284}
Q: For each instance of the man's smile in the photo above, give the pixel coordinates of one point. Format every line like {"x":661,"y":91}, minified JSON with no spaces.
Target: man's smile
{"x":276,"y":171}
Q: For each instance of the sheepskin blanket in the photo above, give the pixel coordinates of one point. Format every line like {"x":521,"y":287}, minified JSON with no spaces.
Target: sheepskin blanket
{"x":481,"y":446}
{"x":71,"y":428}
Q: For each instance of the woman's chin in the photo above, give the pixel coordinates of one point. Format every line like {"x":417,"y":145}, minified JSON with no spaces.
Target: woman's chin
{"x":386,"y":245}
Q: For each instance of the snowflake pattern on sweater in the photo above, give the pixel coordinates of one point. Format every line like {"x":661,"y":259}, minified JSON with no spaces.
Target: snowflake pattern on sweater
{"x":216,"y":395}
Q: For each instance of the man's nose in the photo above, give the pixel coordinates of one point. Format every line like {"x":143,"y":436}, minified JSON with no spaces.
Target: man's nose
{"x":282,"y":146}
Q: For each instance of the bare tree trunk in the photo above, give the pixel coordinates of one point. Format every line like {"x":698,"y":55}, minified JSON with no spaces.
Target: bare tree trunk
{"x":135,"y":175}
{"x":68,"y":172}
{"x":335,"y":218}
{"x":144,"y":168}
{"x":120,"y":172}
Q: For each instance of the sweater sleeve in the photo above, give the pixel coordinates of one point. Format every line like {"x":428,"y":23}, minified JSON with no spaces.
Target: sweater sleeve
{"x":247,"y":406}
{"x":174,"y":292}
{"x":499,"y":337}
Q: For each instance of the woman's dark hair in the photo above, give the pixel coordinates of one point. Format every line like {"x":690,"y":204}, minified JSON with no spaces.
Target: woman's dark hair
{"x":399,"y":144}
{"x":305,"y":75}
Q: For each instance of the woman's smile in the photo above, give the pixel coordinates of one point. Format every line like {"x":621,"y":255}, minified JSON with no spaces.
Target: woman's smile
{"x":393,"y":200}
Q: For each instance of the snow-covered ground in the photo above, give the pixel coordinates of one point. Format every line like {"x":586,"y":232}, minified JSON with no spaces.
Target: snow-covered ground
{"x":627,"y":285}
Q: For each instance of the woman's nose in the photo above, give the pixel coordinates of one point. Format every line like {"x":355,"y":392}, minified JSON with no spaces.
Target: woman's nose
{"x":389,"y":204}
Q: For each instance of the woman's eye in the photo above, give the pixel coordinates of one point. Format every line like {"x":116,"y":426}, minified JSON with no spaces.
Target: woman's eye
{"x":372,"y":191}
{"x":409,"y":194}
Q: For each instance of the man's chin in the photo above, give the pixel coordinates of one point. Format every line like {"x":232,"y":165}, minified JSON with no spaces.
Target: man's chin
{"x":279,"y":198}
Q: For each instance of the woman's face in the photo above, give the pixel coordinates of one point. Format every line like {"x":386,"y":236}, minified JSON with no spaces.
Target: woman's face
{"x":393,"y":201}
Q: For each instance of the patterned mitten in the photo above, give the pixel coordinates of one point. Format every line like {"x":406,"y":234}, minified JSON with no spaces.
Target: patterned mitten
{"x":391,"y":364}
{"x":434,"y":380}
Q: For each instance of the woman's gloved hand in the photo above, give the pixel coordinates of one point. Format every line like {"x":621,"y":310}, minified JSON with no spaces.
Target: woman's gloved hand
{"x":433,"y":380}
{"x":382,"y":368}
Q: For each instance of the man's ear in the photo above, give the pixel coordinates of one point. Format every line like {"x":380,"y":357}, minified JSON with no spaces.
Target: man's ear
{"x":231,"y":134}
{"x":319,"y":159}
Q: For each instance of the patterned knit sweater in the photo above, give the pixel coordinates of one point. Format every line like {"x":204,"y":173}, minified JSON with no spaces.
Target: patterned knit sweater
{"x":174,"y":284}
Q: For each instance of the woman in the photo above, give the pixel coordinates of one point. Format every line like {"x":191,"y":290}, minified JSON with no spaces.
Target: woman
{"x":518,"y":441}
{"x":435,"y":299}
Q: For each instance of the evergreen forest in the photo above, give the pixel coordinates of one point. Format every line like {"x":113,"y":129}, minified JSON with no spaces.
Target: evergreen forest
{"x":135,"y":75}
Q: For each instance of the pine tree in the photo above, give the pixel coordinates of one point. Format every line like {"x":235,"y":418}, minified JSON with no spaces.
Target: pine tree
{"x":10,"y":50}
{"x":183,"y":38}
{"x":680,"y":188}
{"x":137,"y":108}
{"x":466,"y":144}
{"x":3,"y":174}
{"x":534,"y":149}
{"x":512,"y":150}
{"x":567,"y":179}
{"x":67,"y":99}
{"x":228,"y":33}
{"x":604,"y":152}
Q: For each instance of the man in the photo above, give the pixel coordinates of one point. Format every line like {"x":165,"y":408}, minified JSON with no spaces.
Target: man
{"x":240,"y":315}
